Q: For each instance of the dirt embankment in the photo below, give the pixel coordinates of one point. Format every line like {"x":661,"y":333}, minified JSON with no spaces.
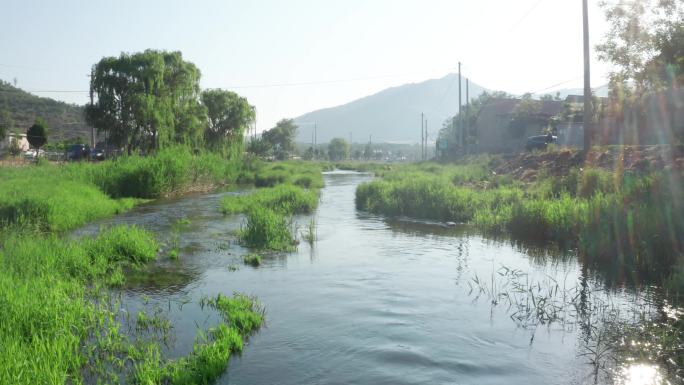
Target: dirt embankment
{"x":527,"y":166}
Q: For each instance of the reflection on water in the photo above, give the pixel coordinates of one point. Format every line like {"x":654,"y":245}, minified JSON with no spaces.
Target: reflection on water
{"x":641,"y":374}
{"x":373,"y":301}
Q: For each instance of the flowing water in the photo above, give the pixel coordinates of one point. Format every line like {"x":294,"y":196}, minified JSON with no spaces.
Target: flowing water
{"x":373,"y":301}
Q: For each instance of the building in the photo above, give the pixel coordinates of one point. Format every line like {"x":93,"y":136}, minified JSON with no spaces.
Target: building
{"x":495,"y":133}
{"x":19,"y":138}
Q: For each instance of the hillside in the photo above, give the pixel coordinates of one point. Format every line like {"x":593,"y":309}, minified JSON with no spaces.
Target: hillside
{"x":65,"y":120}
{"x":391,"y":115}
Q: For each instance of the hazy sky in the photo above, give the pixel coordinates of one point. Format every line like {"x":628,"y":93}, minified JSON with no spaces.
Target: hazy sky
{"x":346,"y":48}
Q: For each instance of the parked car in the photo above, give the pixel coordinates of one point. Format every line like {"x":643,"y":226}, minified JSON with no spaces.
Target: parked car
{"x":31,"y":153}
{"x":97,"y":154}
{"x":78,"y":152}
{"x":539,"y":142}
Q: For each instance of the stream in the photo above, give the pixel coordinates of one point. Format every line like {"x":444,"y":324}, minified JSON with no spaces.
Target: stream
{"x":372,"y":301}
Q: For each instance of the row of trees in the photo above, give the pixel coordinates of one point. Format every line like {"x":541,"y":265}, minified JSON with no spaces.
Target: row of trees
{"x":149,"y":100}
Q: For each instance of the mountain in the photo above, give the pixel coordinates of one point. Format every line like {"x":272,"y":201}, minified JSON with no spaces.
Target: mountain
{"x":391,"y":115}
{"x":601,"y":91}
{"x":65,"y":121}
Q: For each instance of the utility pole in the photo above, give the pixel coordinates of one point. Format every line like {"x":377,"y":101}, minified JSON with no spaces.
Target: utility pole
{"x":315,"y":138}
{"x":92,"y":129}
{"x":426,"y":139}
{"x":467,"y":116}
{"x":588,"y":113}
{"x":460,"y":125}
{"x":422,"y":130}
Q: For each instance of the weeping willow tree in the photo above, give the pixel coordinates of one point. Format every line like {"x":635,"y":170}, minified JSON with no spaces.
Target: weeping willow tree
{"x":148,"y":100}
{"x":228,"y":116}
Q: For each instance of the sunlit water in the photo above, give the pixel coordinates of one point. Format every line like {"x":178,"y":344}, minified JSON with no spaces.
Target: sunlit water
{"x":374,"y":301}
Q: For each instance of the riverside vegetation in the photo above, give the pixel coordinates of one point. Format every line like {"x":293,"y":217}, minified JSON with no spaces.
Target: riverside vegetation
{"x":60,"y":321}
{"x":625,"y":226}
{"x":288,"y":188}
{"x":624,"y":221}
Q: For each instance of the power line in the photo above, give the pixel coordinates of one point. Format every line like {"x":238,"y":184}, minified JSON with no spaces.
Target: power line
{"x":529,"y":11}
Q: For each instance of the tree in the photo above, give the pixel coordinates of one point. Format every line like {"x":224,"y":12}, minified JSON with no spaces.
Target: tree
{"x":338,"y":149}
{"x":368,"y":152}
{"x":146,"y":100}
{"x":259,"y":147}
{"x":37,"y":135}
{"x":308,"y":154}
{"x":6,"y":123}
{"x":14,"y":149}
{"x":228,"y":116}
{"x":281,"y":138}
{"x":525,"y":114}
{"x":645,"y":43}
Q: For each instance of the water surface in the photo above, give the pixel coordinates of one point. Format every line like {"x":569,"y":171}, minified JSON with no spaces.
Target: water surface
{"x":373,"y":301}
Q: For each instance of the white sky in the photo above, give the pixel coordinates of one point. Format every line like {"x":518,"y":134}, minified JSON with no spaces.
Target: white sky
{"x":348,"y":48}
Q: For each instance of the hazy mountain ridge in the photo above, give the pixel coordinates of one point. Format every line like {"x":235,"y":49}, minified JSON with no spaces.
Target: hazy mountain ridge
{"x":391,"y":115}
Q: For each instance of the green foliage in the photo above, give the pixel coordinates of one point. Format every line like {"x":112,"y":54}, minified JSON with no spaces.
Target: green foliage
{"x":267,"y":229}
{"x":252,"y":259}
{"x":42,"y":197}
{"x":228,"y":116}
{"x":241,"y":316}
{"x":14,"y":148}
{"x":524,"y":115}
{"x":48,"y":286}
{"x":121,"y":243}
{"x":37,"y":134}
{"x":618,"y":222}
{"x":286,"y":199}
{"x":147,"y":100}
{"x":644,"y":44}
{"x":303,"y":174}
{"x":281,"y":138}
{"x":338,"y":149}
{"x":6,"y":123}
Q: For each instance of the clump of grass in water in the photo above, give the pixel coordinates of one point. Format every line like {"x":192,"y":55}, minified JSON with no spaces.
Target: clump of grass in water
{"x":267,"y":229}
{"x":287,"y":199}
{"x":303,"y":174}
{"x":252,"y":259}
{"x":241,"y":316}
{"x":310,"y":235}
{"x":612,"y":336}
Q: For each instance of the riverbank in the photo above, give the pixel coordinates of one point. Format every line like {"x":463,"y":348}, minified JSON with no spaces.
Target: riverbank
{"x":51,"y":284}
{"x":625,"y":219}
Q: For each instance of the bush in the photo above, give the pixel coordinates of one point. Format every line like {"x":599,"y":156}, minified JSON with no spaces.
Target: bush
{"x":267,"y":229}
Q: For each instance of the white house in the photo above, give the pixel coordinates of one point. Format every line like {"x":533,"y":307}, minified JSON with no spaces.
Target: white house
{"x":19,"y":138}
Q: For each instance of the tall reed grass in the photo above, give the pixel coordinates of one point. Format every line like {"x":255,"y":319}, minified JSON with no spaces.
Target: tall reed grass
{"x":622,"y":222}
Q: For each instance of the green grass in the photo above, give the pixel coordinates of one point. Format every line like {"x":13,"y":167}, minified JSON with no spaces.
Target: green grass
{"x":51,"y":203}
{"x":47,"y":291}
{"x":252,"y":259}
{"x":267,"y":229}
{"x":241,"y":315}
{"x":302,"y":174}
{"x":628,"y":224}
{"x":58,"y":198}
{"x":286,"y":199}
{"x":58,"y":322}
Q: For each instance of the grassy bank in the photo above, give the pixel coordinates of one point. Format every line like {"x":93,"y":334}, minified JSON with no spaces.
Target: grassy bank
{"x":59,"y":323}
{"x":61,"y":197}
{"x":628,"y":223}
{"x":53,"y":297}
